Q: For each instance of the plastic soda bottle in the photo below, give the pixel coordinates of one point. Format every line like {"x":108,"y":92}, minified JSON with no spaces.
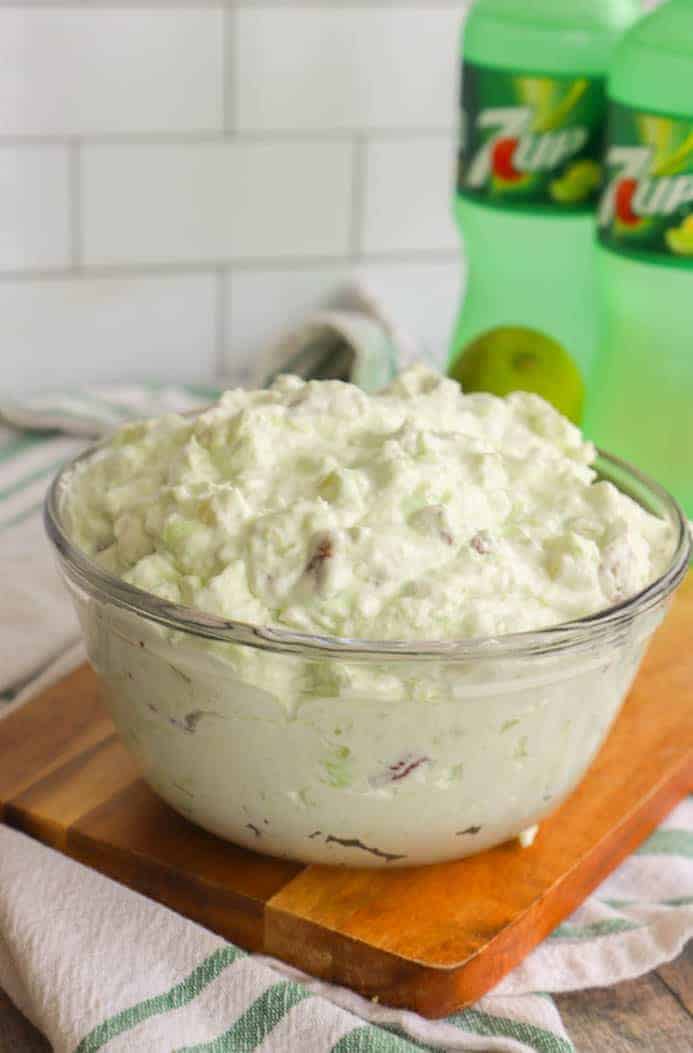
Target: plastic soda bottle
{"x":532,"y":136}
{"x":640,"y":398}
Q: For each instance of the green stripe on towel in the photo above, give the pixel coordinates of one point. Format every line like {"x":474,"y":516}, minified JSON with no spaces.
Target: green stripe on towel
{"x":668,"y":843}
{"x":18,"y":444}
{"x":537,"y":1038}
{"x":372,"y":1039}
{"x":179,"y":995}
{"x":22,"y":516}
{"x":594,"y":929}
{"x":253,"y":1026}
{"x":32,"y":477}
{"x":625,"y":904}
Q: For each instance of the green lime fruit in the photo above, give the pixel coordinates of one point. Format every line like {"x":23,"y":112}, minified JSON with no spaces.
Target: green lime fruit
{"x":576,"y":183}
{"x":512,"y":358}
{"x":680,"y":239}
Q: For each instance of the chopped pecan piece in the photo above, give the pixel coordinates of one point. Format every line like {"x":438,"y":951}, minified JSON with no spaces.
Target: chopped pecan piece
{"x":399,"y":769}
{"x":481,"y":543}
{"x":322,"y":551}
{"x":353,"y":842}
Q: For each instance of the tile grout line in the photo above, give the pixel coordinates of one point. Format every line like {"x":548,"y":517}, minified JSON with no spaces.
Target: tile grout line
{"x":75,"y":204}
{"x":247,"y":137}
{"x":221,"y":306}
{"x":229,"y":69}
{"x":278,"y":5}
{"x":358,"y":195}
{"x":277,"y":264}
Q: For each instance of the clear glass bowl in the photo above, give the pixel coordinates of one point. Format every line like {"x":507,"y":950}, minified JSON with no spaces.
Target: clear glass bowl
{"x":357,"y":752}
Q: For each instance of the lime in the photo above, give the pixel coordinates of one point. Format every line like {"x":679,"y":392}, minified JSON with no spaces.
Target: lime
{"x":512,"y":358}
{"x":577,"y":182}
{"x":680,"y":239}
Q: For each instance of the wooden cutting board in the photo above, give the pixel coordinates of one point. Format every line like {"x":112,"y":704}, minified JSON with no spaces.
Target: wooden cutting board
{"x":430,"y":938}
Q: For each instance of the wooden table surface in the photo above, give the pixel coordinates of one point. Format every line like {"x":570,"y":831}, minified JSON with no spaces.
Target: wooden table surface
{"x":650,"y":1015}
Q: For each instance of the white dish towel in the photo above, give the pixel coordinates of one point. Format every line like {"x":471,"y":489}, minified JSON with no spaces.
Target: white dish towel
{"x":95,"y":966}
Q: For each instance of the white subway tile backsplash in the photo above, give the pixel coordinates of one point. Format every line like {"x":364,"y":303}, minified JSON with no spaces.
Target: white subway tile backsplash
{"x":76,"y":71}
{"x":34,"y":207}
{"x":421,"y":298}
{"x":215,"y":201}
{"x":70,"y":331}
{"x":261,"y":305}
{"x":346,"y":68}
{"x":261,"y":136}
{"x":408,"y":196}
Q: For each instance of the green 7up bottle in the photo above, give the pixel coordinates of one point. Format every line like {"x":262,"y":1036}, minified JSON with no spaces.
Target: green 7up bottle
{"x":641,"y":392}
{"x":533,"y":115}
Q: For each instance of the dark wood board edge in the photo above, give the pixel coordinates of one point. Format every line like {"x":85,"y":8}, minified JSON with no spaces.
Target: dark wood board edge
{"x":236,"y":917}
{"x":83,"y":725}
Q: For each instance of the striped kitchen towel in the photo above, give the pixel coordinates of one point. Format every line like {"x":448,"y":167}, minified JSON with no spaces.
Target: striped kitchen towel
{"x":95,"y":966}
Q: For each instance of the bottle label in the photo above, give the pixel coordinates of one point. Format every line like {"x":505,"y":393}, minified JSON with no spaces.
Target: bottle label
{"x":646,"y":210}
{"x":531,"y":141}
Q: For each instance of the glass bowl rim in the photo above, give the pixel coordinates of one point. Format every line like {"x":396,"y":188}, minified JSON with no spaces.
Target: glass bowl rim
{"x":571,"y":635}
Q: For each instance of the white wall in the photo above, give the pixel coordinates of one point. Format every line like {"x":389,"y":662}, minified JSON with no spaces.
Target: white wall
{"x":178,"y":180}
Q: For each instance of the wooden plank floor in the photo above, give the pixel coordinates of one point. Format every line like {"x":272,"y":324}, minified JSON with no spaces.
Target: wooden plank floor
{"x":651,"y":1015}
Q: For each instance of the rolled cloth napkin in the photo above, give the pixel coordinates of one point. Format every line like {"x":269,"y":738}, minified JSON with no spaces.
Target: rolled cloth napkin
{"x":95,"y":966}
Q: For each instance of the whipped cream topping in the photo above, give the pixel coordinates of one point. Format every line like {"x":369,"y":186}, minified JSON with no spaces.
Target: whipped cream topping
{"x":417,"y":513}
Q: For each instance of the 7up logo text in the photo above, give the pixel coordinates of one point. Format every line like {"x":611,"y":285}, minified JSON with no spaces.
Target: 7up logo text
{"x":634,"y":193}
{"x":514,"y":150}
{"x":646,"y":208}
{"x":530,"y":140}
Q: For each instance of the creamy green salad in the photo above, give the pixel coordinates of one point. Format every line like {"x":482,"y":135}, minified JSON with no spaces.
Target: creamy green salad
{"x":418,"y":513}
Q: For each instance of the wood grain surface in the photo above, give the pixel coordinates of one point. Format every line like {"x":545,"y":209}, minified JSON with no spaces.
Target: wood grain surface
{"x":429,"y":938}
{"x":653,"y":1014}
